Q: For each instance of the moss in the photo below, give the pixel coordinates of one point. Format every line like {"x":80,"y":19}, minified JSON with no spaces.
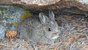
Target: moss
{"x":15,"y":24}
{"x":26,"y":14}
{"x":3,"y":9}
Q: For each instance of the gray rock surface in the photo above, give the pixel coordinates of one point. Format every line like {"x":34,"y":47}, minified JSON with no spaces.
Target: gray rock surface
{"x":39,"y":5}
{"x":29,"y":2}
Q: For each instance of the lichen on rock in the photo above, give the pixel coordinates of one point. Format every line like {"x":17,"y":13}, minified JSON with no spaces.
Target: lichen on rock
{"x":25,"y":14}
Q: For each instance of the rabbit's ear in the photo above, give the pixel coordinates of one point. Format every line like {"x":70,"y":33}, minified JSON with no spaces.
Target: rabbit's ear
{"x":43,"y":18}
{"x":51,"y":15}
{"x":52,"y":23}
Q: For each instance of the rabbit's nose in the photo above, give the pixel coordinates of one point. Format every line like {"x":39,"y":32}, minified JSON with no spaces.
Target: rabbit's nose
{"x":55,"y":35}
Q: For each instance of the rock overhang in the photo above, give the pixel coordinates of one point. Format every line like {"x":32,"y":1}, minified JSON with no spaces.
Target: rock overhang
{"x":41,"y":5}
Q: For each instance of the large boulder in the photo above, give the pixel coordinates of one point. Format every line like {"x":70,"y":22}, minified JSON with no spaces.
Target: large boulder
{"x":39,"y":5}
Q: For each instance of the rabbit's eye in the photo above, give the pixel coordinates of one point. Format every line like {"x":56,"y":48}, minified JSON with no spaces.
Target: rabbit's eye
{"x":49,"y":29}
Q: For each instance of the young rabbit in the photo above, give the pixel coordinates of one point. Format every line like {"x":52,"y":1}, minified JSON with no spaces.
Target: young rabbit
{"x":45,"y":30}
{"x":41,"y":29}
